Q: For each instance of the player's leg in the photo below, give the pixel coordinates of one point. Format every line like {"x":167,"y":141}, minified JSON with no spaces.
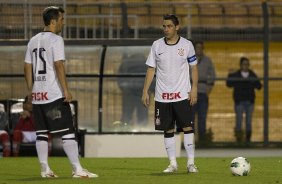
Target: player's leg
{"x":70,"y":147}
{"x":49,"y":144}
{"x":189,"y":145}
{"x":42,"y":141}
{"x":183,"y":112}
{"x":61,"y":122}
{"x":170,"y":144}
{"x":42,"y":149}
{"x":164,"y":121}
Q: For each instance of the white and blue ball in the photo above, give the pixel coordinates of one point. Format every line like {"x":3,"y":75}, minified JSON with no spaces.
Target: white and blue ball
{"x":240,"y":166}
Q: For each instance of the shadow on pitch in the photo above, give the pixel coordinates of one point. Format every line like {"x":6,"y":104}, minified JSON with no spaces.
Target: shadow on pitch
{"x":35,"y":179}
{"x":169,"y":174}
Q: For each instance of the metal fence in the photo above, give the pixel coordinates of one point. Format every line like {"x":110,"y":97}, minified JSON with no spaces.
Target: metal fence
{"x":114,"y":19}
{"x":93,"y":80}
{"x":230,"y":30}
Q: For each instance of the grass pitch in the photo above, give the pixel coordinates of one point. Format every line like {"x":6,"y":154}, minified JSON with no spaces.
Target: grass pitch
{"x":140,"y":170}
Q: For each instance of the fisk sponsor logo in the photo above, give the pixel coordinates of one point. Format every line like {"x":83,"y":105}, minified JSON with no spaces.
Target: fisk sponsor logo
{"x":171,"y":96}
{"x":40,"y":96}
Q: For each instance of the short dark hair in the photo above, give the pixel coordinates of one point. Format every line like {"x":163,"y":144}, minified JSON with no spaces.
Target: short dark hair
{"x":242,"y":59}
{"x":51,"y":12}
{"x":171,"y":17}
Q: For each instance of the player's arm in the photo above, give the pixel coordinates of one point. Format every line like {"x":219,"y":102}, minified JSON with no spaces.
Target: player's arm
{"x":28,"y":78}
{"x":61,"y":74}
{"x":147,"y":83}
{"x":194,"y":90}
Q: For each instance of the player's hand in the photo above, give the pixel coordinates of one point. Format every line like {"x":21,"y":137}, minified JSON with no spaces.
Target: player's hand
{"x":68,"y":96}
{"x":29,"y":97}
{"x":25,"y":114}
{"x":145,"y":99}
{"x":192,"y":96}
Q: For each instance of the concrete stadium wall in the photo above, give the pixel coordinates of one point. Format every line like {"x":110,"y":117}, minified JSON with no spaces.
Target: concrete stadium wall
{"x":128,"y":145}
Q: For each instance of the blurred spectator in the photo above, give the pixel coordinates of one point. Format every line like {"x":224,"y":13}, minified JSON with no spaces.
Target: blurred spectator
{"x":206,"y":82}
{"x":131,"y":88}
{"x":4,"y":136}
{"x":24,"y":131}
{"x":244,"y":81}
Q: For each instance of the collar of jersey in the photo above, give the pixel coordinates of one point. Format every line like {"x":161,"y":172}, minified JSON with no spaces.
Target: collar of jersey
{"x":171,"y":44}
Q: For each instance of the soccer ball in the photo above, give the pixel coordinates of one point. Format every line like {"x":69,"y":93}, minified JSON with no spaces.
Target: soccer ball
{"x":240,"y":166}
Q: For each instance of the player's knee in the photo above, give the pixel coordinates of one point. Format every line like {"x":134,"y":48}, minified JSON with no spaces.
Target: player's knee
{"x":70,"y":136}
{"x":42,"y":137}
{"x":168,"y":134}
{"x":188,"y":130}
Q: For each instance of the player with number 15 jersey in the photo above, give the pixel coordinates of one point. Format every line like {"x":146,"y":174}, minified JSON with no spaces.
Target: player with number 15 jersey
{"x":43,"y":50}
{"x":48,"y":90}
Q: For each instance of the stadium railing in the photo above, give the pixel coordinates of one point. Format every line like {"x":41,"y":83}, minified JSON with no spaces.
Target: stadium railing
{"x":98,"y":20}
{"x":237,"y":29}
{"x":92,"y":67}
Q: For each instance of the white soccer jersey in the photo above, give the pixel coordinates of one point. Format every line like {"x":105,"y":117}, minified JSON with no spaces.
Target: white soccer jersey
{"x":172,"y":69}
{"x":42,"y":51}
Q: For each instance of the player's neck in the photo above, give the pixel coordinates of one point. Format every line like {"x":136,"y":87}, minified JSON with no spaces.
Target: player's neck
{"x":49,"y":29}
{"x":173,"y":40}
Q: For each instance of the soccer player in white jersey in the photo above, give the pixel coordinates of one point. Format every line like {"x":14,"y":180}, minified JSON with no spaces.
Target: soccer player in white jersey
{"x":49,"y":93}
{"x":170,"y":58}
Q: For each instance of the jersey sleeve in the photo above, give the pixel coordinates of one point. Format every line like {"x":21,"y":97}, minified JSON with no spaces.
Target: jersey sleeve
{"x":191,"y":58}
{"x":58,"y":49}
{"x":151,"y":60}
{"x":28,"y":55}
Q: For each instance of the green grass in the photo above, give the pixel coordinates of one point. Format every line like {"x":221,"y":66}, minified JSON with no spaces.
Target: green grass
{"x":140,"y":170}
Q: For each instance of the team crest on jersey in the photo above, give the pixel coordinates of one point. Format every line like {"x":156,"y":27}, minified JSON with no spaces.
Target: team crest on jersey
{"x":181,"y":52}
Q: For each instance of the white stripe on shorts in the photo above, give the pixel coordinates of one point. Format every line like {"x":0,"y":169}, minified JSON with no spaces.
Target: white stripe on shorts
{"x":56,"y":131}
{"x":42,"y":135}
{"x":41,"y":131}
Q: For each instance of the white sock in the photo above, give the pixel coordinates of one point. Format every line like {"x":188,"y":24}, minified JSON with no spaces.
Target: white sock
{"x":71,"y":149}
{"x":42,"y":153}
{"x":189,"y":147}
{"x":170,"y":149}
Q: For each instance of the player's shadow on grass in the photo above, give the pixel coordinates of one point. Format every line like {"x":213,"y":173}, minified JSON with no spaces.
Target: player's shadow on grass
{"x":34,"y":179}
{"x":168,"y":174}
